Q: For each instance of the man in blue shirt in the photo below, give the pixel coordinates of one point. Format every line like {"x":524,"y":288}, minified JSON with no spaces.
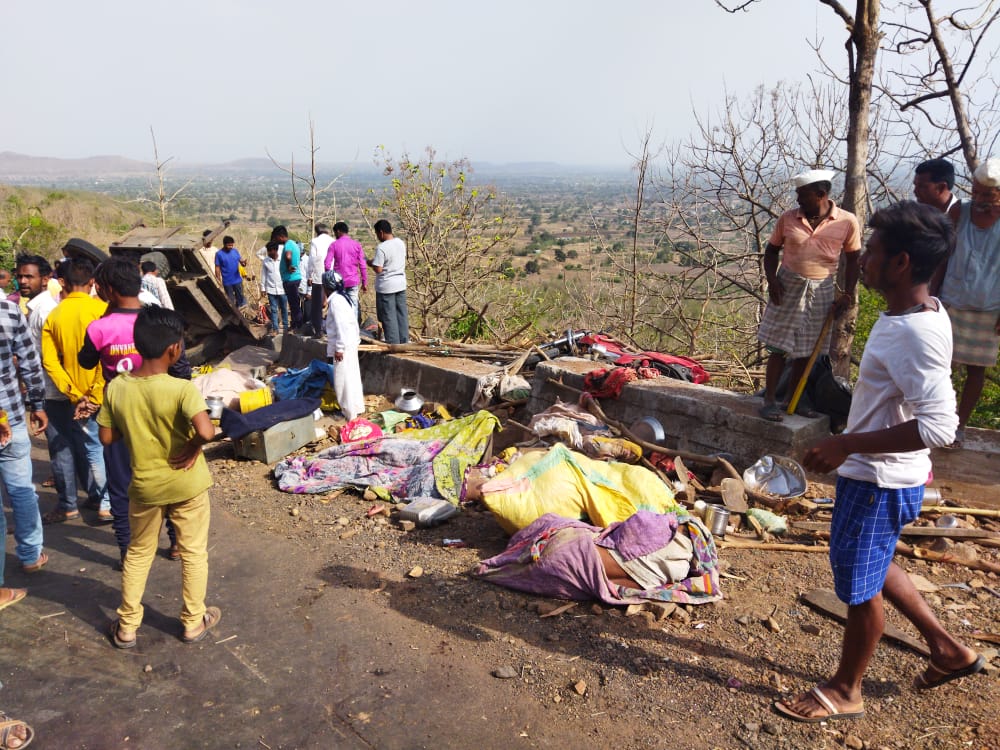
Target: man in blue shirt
{"x":291,"y":273}
{"x":227,"y":271}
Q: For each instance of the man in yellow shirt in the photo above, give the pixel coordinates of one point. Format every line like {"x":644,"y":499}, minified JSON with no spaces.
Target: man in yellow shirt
{"x":62,"y":339}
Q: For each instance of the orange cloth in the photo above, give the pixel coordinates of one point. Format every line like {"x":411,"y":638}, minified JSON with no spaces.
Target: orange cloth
{"x":814,"y":253}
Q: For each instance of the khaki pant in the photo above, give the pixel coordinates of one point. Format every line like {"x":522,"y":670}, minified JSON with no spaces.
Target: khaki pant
{"x":191,"y":519}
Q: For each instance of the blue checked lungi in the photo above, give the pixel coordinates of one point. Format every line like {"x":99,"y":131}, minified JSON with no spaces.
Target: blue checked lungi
{"x":867,"y":520}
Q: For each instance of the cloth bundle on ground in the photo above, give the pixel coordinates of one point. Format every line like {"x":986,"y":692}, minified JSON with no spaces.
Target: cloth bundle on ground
{"x":558,"y":557}
{"x":571,"y":485}
{"x":227,"y":384}
{"x":500,"y":383}
{"x":236,"y":425}
{"x":307,"y":382}
{"x":424,"y":463}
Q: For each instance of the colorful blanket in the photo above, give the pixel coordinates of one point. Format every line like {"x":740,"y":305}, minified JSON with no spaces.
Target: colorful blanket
{"x":417,"y":463}
{"x":558,"y":557}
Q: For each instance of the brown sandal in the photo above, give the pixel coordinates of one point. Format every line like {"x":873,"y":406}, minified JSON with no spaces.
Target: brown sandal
{"x":209,"y":621}
{"x":60,"y":516}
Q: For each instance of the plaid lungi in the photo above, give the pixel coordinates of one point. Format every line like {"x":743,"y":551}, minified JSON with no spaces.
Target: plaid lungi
{"x":792,"y":328}
{"x":973,"y":335}
{"x":866,"y":523}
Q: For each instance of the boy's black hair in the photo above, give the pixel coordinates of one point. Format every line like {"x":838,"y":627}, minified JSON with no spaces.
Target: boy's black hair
{"x":382,"y":226}
{"x":157,"y":328}
{"x":228,"y":240}
{"x":279,"y":231}
{"x":938,"y":170}
{"x":77,"y":271}
{"x":341,"y":226}
{"x":148,"y":266}
{"x":922,"y":232}
{"x":43,"y":266}
{"x":120,"y":275}
{"x":272,"y":245}
{"x":206,"y":233}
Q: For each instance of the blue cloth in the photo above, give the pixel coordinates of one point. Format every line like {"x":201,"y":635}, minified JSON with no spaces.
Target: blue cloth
{"x":228,"y":261}
{"x":278,"y":303}
{"x":15,"y":468}
{"x":291,"y":246}
{"x":867,"y":520}
{"x":88,"y":455}
{"x":307,"y":382}
{"x":236,"y":425}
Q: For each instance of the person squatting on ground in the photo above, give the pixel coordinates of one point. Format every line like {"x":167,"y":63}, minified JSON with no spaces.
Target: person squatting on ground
{"x":227,"y":270}
{"x":164,"y":422}
{"x":903,"y":405}
{"x":110,"y":343}
{"x":347,"y":257}
{"x":291,"y":274}
{"x":19,"y":363}
{"x":389,"y":265}
{"x":63,"y":334}
{"x":319,"y":247}
{"x":809,"y":241}
{"x":271,"y":285}
{"x":970,"y":288}
{"x":343,"y":336}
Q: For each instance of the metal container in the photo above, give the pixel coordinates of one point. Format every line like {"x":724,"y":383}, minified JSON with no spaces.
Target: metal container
{"x":649,"y":429}
{"x":716,"y":519}
{"x":215,"y":405}
{"x":409,"y":401}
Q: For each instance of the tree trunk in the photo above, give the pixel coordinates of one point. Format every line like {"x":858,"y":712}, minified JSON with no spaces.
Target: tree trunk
{"x":862,"y":50}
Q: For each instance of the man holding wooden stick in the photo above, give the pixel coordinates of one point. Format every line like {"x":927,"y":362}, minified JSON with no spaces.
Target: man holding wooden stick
{"x":809,"y":241}
{"x":903,"y":405}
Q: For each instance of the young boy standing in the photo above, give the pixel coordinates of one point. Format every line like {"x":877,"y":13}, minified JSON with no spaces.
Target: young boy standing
{"x":227,"y":270}
{"x":154,"y":414}
{"x":903,"y":405}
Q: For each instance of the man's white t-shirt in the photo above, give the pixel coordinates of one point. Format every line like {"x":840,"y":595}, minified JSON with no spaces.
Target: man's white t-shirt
{"x":391,"y":257}
{"x":905,"y":374}
{"x":318,"y":248}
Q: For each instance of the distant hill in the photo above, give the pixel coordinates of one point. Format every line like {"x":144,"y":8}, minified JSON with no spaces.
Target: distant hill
{"x":24,"y":168}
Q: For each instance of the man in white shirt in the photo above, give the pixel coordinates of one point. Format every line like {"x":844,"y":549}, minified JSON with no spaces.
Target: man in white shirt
{"x":272,"y":286}
{"x":318,"y":248}
{"x":903,"y":405}
{"x":389,"y":265}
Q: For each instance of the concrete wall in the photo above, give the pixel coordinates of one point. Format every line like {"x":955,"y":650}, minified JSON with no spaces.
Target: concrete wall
{"x":696,"y":418}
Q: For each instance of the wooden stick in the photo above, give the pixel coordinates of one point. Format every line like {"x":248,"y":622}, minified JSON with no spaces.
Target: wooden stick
{"x":934,"y":531}
{"x":801,"y":385}
{"x":733,"y":543}
{"x":919,"y":553}
{"x":985,"y":512}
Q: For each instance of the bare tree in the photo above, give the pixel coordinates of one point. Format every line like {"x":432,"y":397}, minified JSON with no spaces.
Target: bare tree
{"x":308,"y":192}
{"x":162,"y":198}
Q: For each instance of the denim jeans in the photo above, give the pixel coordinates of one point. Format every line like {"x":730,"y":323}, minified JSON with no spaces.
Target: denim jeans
{"x":394,"y":317}
{"x":15,"y":468}
{"x":292,"y":293}
{"x":88,"y":457}
{"x":278,"y":302}
{"x":235,"y":294}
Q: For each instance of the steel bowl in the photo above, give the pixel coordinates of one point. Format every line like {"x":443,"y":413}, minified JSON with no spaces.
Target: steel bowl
{"x":649,"y":429}
{"x":409,"y":401}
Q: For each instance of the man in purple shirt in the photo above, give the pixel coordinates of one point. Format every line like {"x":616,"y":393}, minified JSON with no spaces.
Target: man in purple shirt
{"x":347,"y":258}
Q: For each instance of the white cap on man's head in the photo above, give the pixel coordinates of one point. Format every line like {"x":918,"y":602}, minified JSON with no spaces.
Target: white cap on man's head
{"x":987,"y":174}
{"x":813,"y":175}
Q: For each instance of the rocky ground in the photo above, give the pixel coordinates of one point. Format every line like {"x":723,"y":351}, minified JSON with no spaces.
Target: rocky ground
{"x":700,"y":677}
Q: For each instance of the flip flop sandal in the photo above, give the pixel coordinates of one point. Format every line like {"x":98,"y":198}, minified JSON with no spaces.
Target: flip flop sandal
{"x":37,"y":565}
{"x":60,"y":516}
{"x":209,"y":621}
{"x":105,"y":516}
{"x":174,"y":553}
{"x":15,"y":596}
{"x":772,"y":413}
{"x":7,"y":727}
{"x":118,"y":642}
{"x":924,"y":682}
{"x":833,"y":713}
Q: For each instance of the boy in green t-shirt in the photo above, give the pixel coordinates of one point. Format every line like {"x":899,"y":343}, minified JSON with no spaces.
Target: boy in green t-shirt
{"x":154,"y":414}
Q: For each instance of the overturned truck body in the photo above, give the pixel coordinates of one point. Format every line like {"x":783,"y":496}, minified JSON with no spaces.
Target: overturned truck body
{"x":215,"y":325}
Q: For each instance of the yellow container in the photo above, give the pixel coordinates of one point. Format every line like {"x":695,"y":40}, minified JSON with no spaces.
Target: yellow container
{"x":250,"y":400}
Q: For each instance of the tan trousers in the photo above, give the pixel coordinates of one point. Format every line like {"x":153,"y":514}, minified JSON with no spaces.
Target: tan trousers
{"x":191,"y":519}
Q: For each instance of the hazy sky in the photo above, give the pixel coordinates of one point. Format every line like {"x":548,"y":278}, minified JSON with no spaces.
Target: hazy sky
{"x":574,"y":82}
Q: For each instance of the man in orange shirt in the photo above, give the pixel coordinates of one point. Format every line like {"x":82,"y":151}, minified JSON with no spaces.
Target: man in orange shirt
{"x":808,"y":241}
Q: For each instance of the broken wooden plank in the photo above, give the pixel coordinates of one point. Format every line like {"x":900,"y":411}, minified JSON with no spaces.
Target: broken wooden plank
{"x":825,"y":601}
{"x":932,"y":531}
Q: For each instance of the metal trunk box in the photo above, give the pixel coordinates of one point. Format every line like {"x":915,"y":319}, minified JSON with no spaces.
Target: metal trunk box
{"x":274,"y":443}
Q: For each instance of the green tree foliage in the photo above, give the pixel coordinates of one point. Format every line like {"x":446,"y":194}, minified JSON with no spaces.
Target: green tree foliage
{"x":456,"y":235}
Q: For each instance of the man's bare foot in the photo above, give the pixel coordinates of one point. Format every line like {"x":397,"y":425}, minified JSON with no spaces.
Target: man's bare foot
{"x":818,"y":705}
